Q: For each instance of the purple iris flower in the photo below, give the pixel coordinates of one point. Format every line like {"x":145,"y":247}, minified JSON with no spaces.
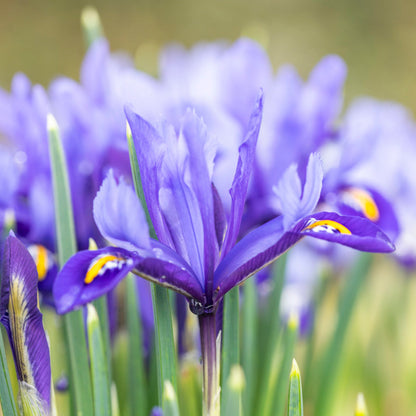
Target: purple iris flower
{"x":371,"y":170}
{"x":197,"y":253}
{"x":22,"y":319}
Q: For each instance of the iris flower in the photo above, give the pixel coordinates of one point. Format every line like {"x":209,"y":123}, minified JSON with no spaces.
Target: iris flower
{"x":22,"y":319}
{"x":197,"y":253}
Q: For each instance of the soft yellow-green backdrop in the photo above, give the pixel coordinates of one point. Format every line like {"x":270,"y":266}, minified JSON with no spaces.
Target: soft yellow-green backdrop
{"x":376,"y":37}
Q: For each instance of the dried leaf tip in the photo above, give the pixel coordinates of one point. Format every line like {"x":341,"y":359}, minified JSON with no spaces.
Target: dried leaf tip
{"x":51,"y":123}
{"x":361,"y":408}
{"x":293,"y":322}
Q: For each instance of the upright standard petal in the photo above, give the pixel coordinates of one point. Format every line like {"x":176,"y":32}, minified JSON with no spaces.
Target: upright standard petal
{"x":295,"y":203}
{"x":119,"y":215}
{"x":22,"y":319}
{"x":150,"y":150}
{"x":244,"y":169}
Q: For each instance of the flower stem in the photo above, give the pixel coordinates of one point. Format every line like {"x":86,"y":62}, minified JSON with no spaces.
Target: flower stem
{"x":210,"y":362}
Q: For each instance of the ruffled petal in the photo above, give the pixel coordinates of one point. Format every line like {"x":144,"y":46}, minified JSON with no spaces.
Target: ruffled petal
{"x":119,"y":215}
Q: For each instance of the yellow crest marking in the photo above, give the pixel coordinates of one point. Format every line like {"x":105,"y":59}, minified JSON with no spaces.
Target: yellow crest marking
{"x":97,"y":265}
{"x":366,"y":202}
{"x":42,"y":262}
{"x":333,"y":224}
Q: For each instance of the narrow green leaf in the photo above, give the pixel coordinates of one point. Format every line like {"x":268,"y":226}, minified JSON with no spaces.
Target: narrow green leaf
{"x":135,"y":171}
{"x":289,"y":347}
{"x":91,"y":25}
{"x":295,"y":400}
{"x":137,"y":378}
{"x":235,"y":386}
{"x":98,"y":362}
{"x":230,"y":352}
{"x":80,"y":381}
{"x":270,"y":332}
{"x":250,"y":343}
{"x":115,"y":408}
{"x":101,"y":307}
{"x":165,"y":345}
{"x":331,"y":360}
{"x":6,"y":393}
{"x":170,"y":401}
{"x":273,"y":399}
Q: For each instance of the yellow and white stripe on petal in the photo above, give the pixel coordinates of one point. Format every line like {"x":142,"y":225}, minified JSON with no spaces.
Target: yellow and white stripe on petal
{"x":103,"y":263}
{"x":361,"y":200}
{"x":18,"y":318}
{"x":328,"y":226}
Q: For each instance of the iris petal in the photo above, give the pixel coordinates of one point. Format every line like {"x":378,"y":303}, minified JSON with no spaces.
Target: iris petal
{"x":23,"y":321}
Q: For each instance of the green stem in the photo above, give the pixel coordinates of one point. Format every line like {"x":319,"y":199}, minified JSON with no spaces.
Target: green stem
{"x":210,"y":384}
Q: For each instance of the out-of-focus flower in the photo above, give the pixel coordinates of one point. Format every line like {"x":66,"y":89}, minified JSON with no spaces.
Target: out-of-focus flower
{"x":197,"y":254}
{"x":22,"y":319}
{"x":370,"y":169}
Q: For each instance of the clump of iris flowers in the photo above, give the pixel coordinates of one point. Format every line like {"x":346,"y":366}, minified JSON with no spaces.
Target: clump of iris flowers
{"x":197,"y":254}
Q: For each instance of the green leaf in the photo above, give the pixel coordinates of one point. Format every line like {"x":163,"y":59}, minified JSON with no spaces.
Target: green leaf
{"x":295,"y":400}
{"x":235,"y":386}
{"x":331,"y":359}
{"x":6,"y":393}
{"x":164,"y":344}
{"x":170,"y":401}
{"x":273,"y":399}
{"x":80,"y":381}
{"x":250,"y":343}
{"x":230,"y":352}
{"x":137,"y":377}
{"x":98,"y":362}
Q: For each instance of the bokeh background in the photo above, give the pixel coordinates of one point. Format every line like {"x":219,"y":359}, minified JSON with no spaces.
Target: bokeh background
{"x":377,"y":40}
{"x":375,"y":37}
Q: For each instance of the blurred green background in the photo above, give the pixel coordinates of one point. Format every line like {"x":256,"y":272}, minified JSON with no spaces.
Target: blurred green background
{"x":376,"y":37}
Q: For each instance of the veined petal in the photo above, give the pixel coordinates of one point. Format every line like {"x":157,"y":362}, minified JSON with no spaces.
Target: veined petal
{"x":263,"y":245}
{"x":150,"y":150}
{"x":355,"y":232}
{"x":119,"y":215}
{"x":294,"y":203}
{"x":239,"y":187}
{"x":90,"y":274}
{"x":23,"y":321}
{"x":199,"y":145}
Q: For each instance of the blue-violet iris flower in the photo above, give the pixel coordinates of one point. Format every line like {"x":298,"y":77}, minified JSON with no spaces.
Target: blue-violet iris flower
{"x":197,"y":253}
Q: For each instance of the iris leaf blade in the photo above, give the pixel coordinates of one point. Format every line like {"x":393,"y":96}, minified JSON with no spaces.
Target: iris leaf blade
{"x":6,"y":393}
{"x":81,"y":392}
